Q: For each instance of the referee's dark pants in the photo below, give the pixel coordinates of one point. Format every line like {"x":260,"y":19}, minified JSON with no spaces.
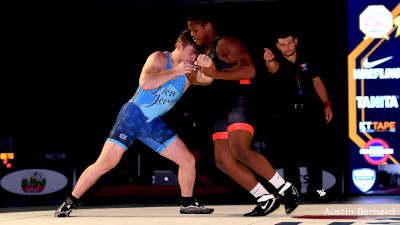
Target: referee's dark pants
{"x":298,"y":142}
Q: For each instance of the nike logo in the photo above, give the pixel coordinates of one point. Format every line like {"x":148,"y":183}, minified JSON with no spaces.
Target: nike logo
{"x":266,"y":204}
{"x":372,"y":64}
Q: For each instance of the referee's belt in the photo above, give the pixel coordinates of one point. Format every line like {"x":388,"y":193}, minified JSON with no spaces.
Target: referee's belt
{"x":298,"y":106}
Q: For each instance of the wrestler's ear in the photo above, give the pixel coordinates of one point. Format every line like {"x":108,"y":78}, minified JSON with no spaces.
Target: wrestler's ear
{"x":179,"y":46}
{"x":208,"y":26}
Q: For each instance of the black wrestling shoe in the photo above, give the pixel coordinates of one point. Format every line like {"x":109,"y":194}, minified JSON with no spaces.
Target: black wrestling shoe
{"x":266,"y":204}
{"x":66,"y":207}
{"x":290,"y":197}
{"x":195,"y":208}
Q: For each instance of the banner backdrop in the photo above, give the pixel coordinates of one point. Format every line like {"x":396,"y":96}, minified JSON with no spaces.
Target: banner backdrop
{"x":373,"y":96}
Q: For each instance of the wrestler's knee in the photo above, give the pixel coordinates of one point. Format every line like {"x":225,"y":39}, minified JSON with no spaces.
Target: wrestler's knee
{"x":105,"y":165}
{"x":188,"y":163}
{"x":221,"y":164}
{"x":240,"y":152}
{"x":225,"y":164}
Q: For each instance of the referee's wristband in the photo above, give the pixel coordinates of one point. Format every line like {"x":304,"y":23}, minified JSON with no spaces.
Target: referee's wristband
{"x":327,"y":103}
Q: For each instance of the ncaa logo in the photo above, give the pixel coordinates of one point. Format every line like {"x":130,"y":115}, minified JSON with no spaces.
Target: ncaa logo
{"x":364,"y":178}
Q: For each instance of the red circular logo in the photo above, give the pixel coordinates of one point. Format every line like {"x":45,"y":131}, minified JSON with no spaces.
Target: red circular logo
{"x":376,"y":151}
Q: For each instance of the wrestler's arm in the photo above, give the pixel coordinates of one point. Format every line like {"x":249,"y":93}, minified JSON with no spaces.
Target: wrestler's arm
{"x":153,"y":73}
{"x":232,"y":51}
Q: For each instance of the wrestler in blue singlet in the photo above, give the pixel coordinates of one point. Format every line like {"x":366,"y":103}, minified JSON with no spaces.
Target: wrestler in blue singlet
{"x":140,"y":116}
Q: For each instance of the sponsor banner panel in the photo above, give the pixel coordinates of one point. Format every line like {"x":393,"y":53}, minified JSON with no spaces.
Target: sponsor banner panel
{"x":373,"y":96}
